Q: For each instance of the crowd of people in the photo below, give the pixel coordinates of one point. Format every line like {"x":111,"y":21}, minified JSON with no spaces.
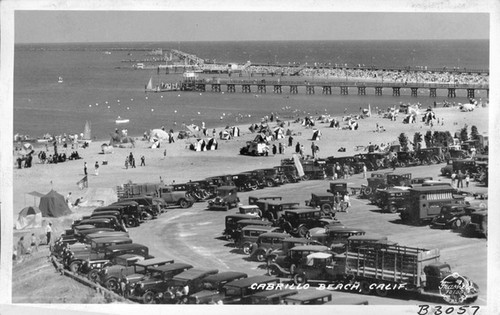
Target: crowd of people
{"x":404,"y":76}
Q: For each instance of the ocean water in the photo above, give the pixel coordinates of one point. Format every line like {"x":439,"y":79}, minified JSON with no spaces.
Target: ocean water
{"x":99,"y":87}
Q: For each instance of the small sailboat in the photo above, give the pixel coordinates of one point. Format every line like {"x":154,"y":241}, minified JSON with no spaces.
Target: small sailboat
{"x":149,"y":86}
{"x":87,"y":132}
{"x":120,"y":120}
{"x":60,"y":80}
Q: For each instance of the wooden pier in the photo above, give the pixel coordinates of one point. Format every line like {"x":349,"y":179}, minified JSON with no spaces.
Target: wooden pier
{"x":329,"y":87}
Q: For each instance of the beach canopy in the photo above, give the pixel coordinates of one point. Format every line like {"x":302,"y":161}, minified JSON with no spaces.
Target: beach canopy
{"x":28,"y":218}
{"x":53,"y":205}
{"x":158,"y":134}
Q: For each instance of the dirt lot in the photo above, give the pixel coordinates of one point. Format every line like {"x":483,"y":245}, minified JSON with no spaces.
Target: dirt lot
{"x":192,"y":236}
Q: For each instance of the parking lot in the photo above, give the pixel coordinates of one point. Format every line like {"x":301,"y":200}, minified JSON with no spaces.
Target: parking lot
{"x":193,"y":235}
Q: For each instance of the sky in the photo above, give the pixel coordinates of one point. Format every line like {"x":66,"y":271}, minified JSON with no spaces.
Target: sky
{"x":149,"y":26}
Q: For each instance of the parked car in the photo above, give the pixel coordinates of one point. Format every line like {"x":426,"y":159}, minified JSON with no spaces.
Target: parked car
{"x":298,"y":222}
{"x":239,"y":291}
{"x":250,"y":234}
{"x":187,"y":282}
{"x":212,"y":287}
{"x":453,"y":216}
{"x":142,"y":270}
{"x":149,"y":291}
{"x":227,"y":198}
{"x":265,"y":244}
{"x":231,"y":229}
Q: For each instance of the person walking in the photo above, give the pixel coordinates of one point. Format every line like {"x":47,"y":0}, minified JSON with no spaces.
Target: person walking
{"x":164,"y":154}
{"x":133,"y":162}
{"x":143,"y":161}
{"x":85,"y":168}
{"x":453,"y":178}
{"x":96,"y":168}
{"x":274,"y":149}
{"x":48,"y":232}
{"x":126,"y":163}
{"x":297,"y":147}
{"x":467,"y":179}
{"x":290,"y":141}
{"x":313,"y":150}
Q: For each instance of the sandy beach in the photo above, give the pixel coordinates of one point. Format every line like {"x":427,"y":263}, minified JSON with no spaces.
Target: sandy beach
{"x":182,"y":164}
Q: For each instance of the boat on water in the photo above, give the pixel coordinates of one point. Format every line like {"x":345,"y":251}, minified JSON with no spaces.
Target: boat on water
{"x":60,"y":80}
{"x":120,"y":120}
{"x":87,"y":133}
{"x":162,"y":87}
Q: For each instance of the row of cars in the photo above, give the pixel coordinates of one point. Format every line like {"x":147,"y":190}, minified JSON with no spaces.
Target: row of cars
{"x":345,"y":258}
{"x":110,"y":258}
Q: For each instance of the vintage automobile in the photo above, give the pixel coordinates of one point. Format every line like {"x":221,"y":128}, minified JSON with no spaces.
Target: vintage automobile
{"x":108,"y":222}
{"x":289,"y":172}
{"x":130,"y":211}
{"x":478,"y":224}
{"x":246,"y":182}
{"x":185,"y":283}
{"x":425,"y":203}
{"x":125,"y":265}
{"x":151,"y":289}
{"x":227,"y":198}
{"x":231,"y":229}
{"x":251,"y":210}
{"x":453,"y":216}
{"x":239,"y":291}
{"x":141,"y":270}
{"x":265,"y":244}
{"x":335,"y":237}
{"x":273,"y":210}
{"x":109,"y":275}
{"x":272,"y":177}
{"x":175,"y":198}
{"x":298,"y":222}
{"x":328,"y":203}
{"x":149,"y":206}
{"x":75,"y":257}
{"x":193,"y":190}
{"x":250,"y":234}
{"x":285,"y":265}
{"x":212,"y":287}
{"x":377,"y":180}
{"x":286,"y":245}
{"x":391,"y":200}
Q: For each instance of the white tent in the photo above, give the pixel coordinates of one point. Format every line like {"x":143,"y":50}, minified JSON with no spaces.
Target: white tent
{"x":225,"y":135}
{"x":158,"y":134}
{"x":316,"y":134}
{"x":28,"y":218}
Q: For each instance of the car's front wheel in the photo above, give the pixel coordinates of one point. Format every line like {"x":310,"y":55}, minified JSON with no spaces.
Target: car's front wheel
{"x":93,"y":275}
{"x":148,"y":297}
{"x":183,"y":203}
{"x":247,"y":248}
{"x":111,"y":284}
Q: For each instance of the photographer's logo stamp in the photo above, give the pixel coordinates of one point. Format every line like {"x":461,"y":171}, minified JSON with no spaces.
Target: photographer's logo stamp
{"x":455,"y":289}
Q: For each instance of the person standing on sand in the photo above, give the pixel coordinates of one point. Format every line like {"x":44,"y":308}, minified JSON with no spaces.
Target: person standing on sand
{"x":274,"y":149}
{"x":126,"y":163}
{"x":48,"y":232}
{"x":34,"y":243}
{"x":143,"y":161}
{"x":85,"y":168}
{"x":164,"y":154}
{"x":297,"y":147}
{"x":21,"y":249}
{"x":96,"y":168}
{"x":290,"y":141}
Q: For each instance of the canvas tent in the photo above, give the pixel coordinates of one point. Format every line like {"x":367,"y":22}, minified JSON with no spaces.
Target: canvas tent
{"x":158,"y":134}
{"x":53,"y":205}
{"x":204,"y":145}
{"x":28,"y":218}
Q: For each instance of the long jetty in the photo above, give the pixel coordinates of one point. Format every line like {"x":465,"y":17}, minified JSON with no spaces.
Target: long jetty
{"x":327,"y":87}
